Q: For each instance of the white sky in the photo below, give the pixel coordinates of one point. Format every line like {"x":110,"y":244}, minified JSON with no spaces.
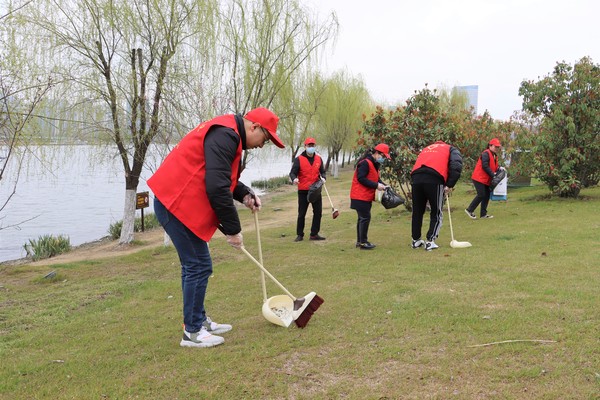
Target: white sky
{"x":397,"y":46}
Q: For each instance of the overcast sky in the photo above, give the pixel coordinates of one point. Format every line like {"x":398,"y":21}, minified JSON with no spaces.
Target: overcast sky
{"x":397,"y":46}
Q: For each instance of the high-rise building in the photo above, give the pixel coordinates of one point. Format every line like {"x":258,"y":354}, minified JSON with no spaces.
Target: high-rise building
{"x":472,"y":94}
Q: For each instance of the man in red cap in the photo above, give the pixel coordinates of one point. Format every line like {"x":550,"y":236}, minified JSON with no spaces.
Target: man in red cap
{"x":485,"y":169}
{"x":307,"y":169}
{"x":194,"y":189}
{"x":436,"y":171}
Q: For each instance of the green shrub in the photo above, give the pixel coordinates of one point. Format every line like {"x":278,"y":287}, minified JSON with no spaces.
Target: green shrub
{"x":47,"y":246}
{"x":150,"y":222}
{"x":272,"y":183}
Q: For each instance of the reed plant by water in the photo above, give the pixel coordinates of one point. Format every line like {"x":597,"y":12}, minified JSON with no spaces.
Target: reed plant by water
{"x":47,"y":246}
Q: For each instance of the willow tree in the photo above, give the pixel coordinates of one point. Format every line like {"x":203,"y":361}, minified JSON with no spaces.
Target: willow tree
{"x":298,"y":104}
{"x":264,"y":43}
{"x":345,"y":101}
{"x":126,"y":54}
{"x":22,"y":89}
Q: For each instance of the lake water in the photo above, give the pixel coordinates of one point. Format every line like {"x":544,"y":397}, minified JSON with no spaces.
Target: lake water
{"x":78,"y":191}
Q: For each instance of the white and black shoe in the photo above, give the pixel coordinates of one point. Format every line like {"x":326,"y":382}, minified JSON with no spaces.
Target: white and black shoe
{"x":417,"y":243}
{"x":431,"y":246}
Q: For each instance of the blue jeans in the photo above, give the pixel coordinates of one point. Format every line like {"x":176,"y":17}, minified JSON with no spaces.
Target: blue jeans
{"x":196,"y":266}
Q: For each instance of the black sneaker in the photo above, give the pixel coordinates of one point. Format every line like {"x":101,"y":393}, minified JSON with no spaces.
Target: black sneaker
{"x":487,"y":216}
{"x":316,"y":237}
{"x":470,"y":214}
{"x":299,"y":238}
{"x":366,"y":246}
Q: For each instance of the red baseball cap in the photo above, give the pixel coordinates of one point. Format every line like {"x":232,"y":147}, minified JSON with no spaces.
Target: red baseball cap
{"x":310,"y":140}
{"x":268,"y":120}
{"x":383,"y":149}
{"x":495,"y":142}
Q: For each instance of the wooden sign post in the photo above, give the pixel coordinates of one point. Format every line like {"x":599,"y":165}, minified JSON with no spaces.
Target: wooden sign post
{"x":142,"y":200}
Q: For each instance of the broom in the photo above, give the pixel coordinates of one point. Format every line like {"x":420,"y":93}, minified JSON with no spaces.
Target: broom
{"x":334,"y":211}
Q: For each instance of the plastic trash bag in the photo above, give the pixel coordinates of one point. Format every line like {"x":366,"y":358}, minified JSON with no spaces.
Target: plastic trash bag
{"x":391,"y":199}
{"x":500,"y":174}
{"x":314,"y":191}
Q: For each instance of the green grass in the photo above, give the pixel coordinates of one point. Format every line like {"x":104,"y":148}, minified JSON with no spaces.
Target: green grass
{"x":397,"y":323}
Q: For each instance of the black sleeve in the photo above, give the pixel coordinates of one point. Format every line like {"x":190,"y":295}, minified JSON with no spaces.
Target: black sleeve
{"x":455,"y":166}
{"x":322,"y":170}
{"x":362,"y":173}
{"x":485,"y":163}
{"x":220,"y":147}
{"x":295,"y":169}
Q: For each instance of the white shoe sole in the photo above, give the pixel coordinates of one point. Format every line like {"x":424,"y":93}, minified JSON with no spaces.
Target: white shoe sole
{"x":189,"y":343}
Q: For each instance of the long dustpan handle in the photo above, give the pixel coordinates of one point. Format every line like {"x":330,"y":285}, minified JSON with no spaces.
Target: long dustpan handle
{"x":263,"y":269}
{"x":260,"y":257}
{"x":450,"y":217}
{"x":327,"y":192}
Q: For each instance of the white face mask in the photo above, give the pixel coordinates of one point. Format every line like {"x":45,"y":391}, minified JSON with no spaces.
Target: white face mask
{"x":310,"y":150}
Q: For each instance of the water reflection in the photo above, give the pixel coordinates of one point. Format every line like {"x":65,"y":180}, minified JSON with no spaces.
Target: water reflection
{"x":78,"y":191}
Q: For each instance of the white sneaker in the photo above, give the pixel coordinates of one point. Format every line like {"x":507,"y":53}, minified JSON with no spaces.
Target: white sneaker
{"x":200,"y":339}
{"x":417,"y":243}
{"x":214,"y":328}
{"x":431,"y":246}
{"x":470,"y":214}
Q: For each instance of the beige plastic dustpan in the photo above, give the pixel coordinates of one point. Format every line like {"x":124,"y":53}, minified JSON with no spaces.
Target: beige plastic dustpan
{"x":279,"y":310}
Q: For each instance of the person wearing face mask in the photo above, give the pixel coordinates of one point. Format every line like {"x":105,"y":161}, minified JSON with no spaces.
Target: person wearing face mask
{"x":362,"y":192}
{"x":436,"y":171}
{"x":194,"y":189}
{"x":485,"y":169}
{"x":307,"y":168}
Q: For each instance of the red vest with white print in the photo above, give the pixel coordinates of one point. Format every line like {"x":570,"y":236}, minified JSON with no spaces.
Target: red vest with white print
{"x":308,"y":173}
{"x":179,"y":183}
{"x":358,"y":191}
{"x":480,"y":175}
{"x":435,"y":156}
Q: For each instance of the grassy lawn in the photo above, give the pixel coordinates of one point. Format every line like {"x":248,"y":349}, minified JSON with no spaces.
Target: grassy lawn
{"x":397,"y":323}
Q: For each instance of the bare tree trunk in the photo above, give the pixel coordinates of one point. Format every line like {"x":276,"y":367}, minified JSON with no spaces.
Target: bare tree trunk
{"x":128,"y":217}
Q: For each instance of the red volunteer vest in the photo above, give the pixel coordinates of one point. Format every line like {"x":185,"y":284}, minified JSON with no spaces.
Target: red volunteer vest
{"x":358,"y":191}
{"x":308,"y":173}
{"x":435,"y":156}
{"x":479,"y":174}
{"x":179,"y":183}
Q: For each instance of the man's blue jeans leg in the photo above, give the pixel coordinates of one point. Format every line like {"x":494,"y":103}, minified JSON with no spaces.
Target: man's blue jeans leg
{"x":196,"y":266}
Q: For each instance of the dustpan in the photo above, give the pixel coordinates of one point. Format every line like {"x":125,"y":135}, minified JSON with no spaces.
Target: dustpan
{"x":279,"y":309}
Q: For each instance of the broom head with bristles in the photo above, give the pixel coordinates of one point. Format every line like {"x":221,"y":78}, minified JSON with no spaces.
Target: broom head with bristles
{"x":305,"y":307}
{"x":335,"y":213}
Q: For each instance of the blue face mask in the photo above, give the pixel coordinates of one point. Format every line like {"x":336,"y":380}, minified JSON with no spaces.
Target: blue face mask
{"x":310,"y":150}
{"x":380,"y":160}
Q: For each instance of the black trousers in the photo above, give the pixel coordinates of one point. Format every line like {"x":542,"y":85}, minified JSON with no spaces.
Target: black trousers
{"x":363,"y":209}
{"x":483,"y":197}
{"x":421,"y":194}
{"x":317,"y":207}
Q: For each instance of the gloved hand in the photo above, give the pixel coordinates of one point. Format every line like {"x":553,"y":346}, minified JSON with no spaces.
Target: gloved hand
{"x":296,"y":181}
{"x":381,"y":186}
{"x":252,"y":201}
{"x":323,"y":180}
{"x":236,"y":240}
{"x":447,"y":190}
